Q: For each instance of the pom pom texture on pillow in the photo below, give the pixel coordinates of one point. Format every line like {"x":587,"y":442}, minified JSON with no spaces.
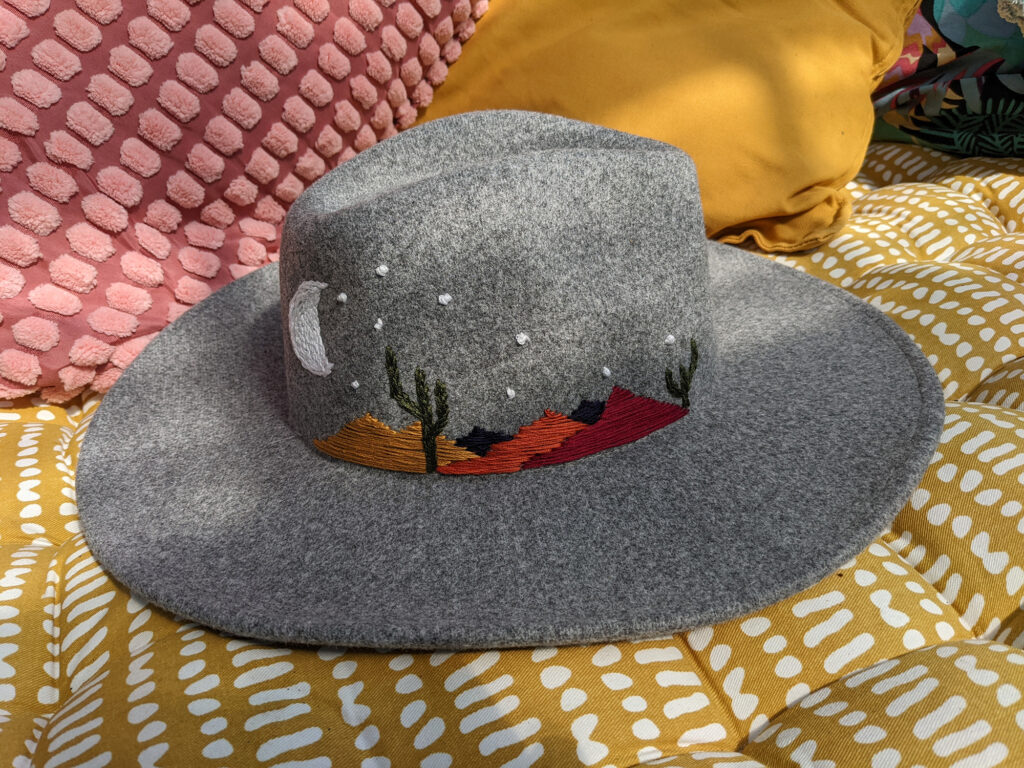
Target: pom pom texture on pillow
{"x":149,"y":151}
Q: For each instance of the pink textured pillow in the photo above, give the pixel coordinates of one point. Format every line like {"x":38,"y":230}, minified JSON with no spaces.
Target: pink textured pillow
{"x":149,"y":151}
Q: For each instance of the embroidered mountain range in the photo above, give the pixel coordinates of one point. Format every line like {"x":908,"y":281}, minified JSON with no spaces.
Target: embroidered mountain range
{"x":554,"y":438}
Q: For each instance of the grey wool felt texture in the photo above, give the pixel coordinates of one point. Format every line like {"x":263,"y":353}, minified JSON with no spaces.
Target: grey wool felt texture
{"x":588,"y":241}
{"x":197,"y":493}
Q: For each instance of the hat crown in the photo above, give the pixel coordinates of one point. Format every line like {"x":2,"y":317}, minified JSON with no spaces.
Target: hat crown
{"x":488,"y":268}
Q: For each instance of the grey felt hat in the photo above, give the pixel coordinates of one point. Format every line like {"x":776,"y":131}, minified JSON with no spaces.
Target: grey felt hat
{"x":502,"y":392}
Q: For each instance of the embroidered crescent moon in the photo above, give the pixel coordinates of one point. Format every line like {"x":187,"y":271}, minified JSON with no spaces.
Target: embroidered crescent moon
{"x":304,"y":329}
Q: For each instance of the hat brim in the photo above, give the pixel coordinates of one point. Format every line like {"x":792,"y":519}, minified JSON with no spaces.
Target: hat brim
{"x":195,"y":493}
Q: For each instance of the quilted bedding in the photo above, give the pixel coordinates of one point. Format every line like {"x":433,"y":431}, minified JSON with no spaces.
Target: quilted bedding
{"x":909,"y":655}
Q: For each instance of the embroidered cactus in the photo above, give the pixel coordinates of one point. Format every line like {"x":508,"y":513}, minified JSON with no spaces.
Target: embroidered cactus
{"x":682,"y":390}
{"x":431,"y":424}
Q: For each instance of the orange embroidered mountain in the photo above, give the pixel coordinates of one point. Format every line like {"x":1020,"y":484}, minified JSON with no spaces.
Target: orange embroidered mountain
{"x":373,"y":443}
{"x":545,"y":434}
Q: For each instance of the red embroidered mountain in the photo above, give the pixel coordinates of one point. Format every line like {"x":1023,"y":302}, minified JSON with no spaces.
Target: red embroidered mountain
{"x":626,"y":418}
{"x":557,"y":439}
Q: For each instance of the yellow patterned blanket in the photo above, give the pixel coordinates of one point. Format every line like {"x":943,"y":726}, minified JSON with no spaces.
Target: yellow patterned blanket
{"x":906,"y":656}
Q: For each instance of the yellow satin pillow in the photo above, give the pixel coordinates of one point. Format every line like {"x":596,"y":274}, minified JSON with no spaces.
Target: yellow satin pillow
{"x":771,"y":99}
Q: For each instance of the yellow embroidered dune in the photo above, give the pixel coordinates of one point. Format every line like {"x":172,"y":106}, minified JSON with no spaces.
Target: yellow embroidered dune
{"x":373,"y":443}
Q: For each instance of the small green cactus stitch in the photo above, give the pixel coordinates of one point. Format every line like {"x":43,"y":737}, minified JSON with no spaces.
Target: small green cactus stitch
{"x":431,"y":424}
{"x":682,"y":390}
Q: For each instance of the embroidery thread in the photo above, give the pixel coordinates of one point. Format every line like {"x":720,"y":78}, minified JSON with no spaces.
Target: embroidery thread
{"x":373,"y":443}
{"x":431,"y":423}
{"x":588,"y":411}
{"x":480,"y":440}
{"x":626,"y":418}
{"x":545,"y":434}
{"x":304,"y":328}
{"x":594,"y":426}
{"x":682,"y":389}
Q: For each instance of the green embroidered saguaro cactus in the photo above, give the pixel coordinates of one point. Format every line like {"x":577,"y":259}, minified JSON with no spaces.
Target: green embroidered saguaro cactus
{"x":431,"y":424}
{"x":682,"y":389}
